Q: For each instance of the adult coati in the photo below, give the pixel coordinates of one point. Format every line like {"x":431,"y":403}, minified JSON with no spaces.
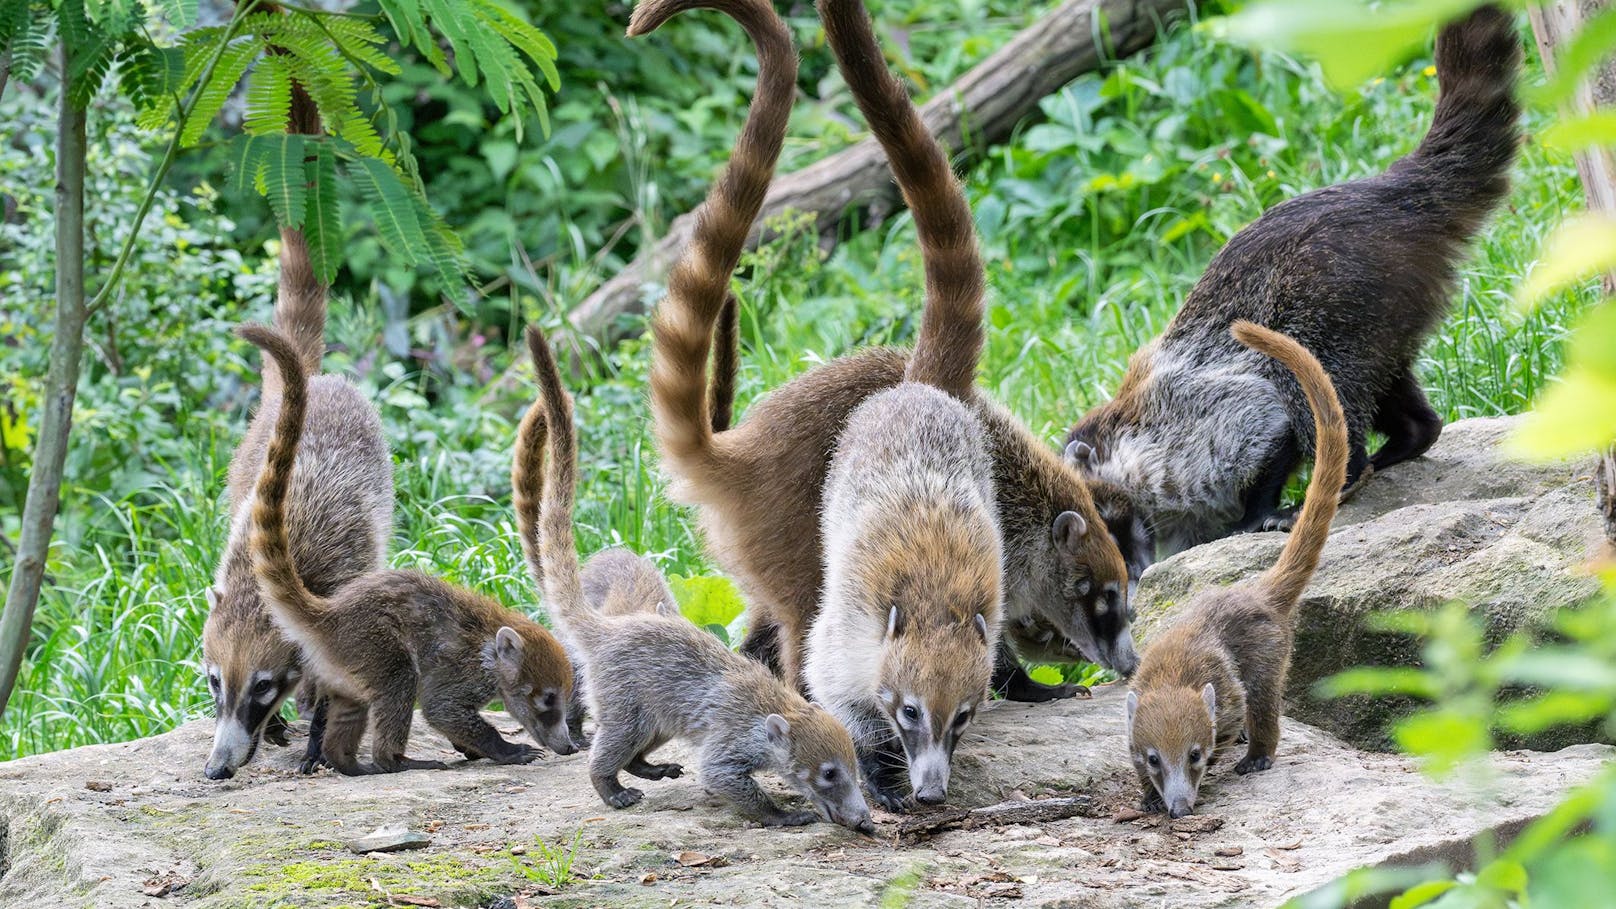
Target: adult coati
{"x":761,"y":484}
{"x":1203,"y":433}
{"x":652,"y":676}
{"x":339,"y":505}
{"x":388,"y":638}
{"x":1220,"y":669}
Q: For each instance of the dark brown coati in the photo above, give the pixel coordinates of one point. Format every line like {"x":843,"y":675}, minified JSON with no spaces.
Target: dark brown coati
{"x":1203,"y":433}
{"x":760,"y":485}
{"x":339,"y":505}
{"x":653,"y":676}
{"x":388,"y":638}
{"x":1220,"y":669}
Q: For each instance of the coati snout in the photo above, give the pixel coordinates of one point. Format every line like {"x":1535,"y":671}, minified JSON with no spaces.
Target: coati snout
{"x":1174,"y":744}
{"x":251,"y":671}
{"x":930,"y":702}
{"x":819,"y":756}
{"x":532,"y":689}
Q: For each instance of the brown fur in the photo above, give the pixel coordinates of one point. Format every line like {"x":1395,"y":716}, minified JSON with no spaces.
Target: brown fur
{"x":388,"y":638}
{"x":1222,"y":666}
{"x":1606,"y":481}
{"x":650,"y":675}
{"x":760,"y":485}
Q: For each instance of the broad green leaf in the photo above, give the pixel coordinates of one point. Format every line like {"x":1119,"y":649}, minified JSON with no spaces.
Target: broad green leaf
{"x":1577,"y":133}
{"x":1422,"y":894}
{"x":1503,"y":874}
{"x":1573,"y":416}
{"x":1378,"y":680}
{"x":1555,"y":708}
{"x":1046,"y":675}
{"x":707,"y":600}
{"x":1442,"y":737}
{"x":322,"y":223}
{"x":1562,"y":669}
{"x":286,"y":180}
{"x":1581,"y":248}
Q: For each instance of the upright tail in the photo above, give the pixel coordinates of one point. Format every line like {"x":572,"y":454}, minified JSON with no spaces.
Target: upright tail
{"x":291,"y":604}
{"x":300,"y":299}
{"x":1294,"y":568}
{"x":1474,"y":133}
{"x":726,"y":363}
{"x":951,"y":330}
{"x":699,"y":282}
{"x":544,"y":502}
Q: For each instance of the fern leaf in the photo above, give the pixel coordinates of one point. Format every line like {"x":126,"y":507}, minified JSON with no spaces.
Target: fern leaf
{"x":212,"y":96}
{"x":453,"y":21}
{"x":247,"y":159}
{"x":269,"y":98}
{"x":524,"y":37}
{"x":360,"y":40}
{"x":179,"y":13}
{"x":393,"y":207}
{"x":322,"y":221}
{"x":285,"y":179}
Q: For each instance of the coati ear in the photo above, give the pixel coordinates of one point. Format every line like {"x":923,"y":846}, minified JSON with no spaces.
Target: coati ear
{"x":1132,"y":708}
{"x":1080,"y":453}
{"x":1069,"y":530}
{"x":508,"y":648}
{"x":892,"y":623}
{"x":778,"y":730}
{"x":982,"y":627}
{"x":212,"y":594}
{"x":1210,"y":696}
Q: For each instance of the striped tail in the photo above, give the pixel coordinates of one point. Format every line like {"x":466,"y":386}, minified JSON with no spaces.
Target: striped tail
{"x":300,"y":300}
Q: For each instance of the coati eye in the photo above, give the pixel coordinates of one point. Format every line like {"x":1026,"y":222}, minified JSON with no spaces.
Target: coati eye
{"x":1195,"y":755}
{"x":962,"y":719}
{"x":213,"y":682}
{"x":829,"y":775}
{"x":262,"y":687}
{"x":910,"y":713}
{"x":1153,"y":760}
{"x":548,"y":701}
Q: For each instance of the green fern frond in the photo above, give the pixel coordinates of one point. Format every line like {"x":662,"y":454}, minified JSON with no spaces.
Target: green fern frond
{"x":211,"y":97}
{"x":360,"y":40}
{"x":535,"y":44}
{"x":269,"y":97}
{"x":393,"y":207}
{"x":285,"y":179}
{"x":153,"y":77}
{"x":179,"y":13}
{"x":322,"y":220}
{"x":90,"y":47}
{"x":24,"y":30}
{"x":247,"y":159}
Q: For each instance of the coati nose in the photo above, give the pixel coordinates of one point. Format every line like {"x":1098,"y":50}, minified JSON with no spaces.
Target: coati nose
{"x":865,"y":826}
{"x":1179,"y":809}
{"x":931,"y":795}
{"x":220,"y":772}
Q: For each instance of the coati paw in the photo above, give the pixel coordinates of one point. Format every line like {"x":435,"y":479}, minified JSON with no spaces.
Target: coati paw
{"x":401,"y":764}
{"x":624,"y":798}
{"x":519,"y":754}
{"x":791,"y":819}
{"x":1151,"y":801}
{"x":890,"y":799}
{"x":1282,"y":521}
{"x":471,"y":754}
{"x":659,"y":771}
{"x":311,"y":763}
{"x":1253,"y":763}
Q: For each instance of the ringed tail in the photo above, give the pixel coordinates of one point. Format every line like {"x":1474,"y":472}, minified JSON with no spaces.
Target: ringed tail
{"x":1291,"y":572}
{"x":698,"y":285}
{"x":300,"y":299}
{"x":546,"y":489}
{"x":949,"y":344}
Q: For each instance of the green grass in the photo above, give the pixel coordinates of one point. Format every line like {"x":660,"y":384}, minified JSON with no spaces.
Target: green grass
{"x":1095,"y":224}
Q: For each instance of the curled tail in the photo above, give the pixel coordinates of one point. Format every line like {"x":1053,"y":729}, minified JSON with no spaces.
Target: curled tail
{"x":699,"y":282}
{"x":545,"y":494}
{"x":951,"y":331}
{"x":294,"y":608}
{"x":300,"y":298}
{"x":1474,"y":133}
{"x":1296,"y":562}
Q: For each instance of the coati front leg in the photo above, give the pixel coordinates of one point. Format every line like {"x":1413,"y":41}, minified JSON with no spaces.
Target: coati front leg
{"x":645,"y":770}
{"x":345,"y":726}
{"x":470,"y":734}
{"x":1011,"y":681}
{"x":886,"y":772}
{"x":620,"y":740}
{"x":1264,"y":692}
{"x":725,"y":774}
{"x":1262,"y":509}
{"x":391,"y":716}
{"x":1405,"y":417}
{"x":314,"y":754}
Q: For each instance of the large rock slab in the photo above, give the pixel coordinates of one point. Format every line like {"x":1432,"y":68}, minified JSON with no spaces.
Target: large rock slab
{"x":112,"y":826}
{"x":1465,"y":523}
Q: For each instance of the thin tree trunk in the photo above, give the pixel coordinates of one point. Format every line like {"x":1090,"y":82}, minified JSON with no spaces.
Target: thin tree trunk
{"x":50,"y":451}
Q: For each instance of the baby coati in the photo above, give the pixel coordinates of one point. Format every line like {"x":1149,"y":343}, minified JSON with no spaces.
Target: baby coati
{"x":650,"y":676}
{"x":902,"y":648}
{"x":388,"y":638}
{"x":1203,"y":433}
{"x":340,"y":510}
{"x":761,"y":485}
{"x":1220,"y":669}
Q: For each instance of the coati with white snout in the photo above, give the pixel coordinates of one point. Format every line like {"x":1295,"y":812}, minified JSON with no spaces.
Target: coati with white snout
{"x":760,"y":485}
{"x":339,"y":507}
{"x":1202,"y":433}
{"x":651,"y":676}
{"x":388,"y":638}
{"x":1220,"y":668}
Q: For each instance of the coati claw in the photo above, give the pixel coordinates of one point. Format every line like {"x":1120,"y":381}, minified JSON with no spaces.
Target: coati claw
{"x":657,"y":771}
{"x":1151,"y":801}
{"x":1253,"y":763}
{"x":312,"y":763}
{"x":889,"y":800}
{"x":624,"y":798}
{"x":519,"y":754}
{"x":791,"y":819}
{"x":275,"y":731}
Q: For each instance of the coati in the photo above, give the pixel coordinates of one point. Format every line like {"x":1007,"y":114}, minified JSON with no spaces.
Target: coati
{"x":760,"y":486}
{"x":1203,"y":433}
{"x":650,"y":676}
{"x":388,"y":638}
{"x":340,"y":508}
{"x":1220,"y":669}
{"x":1606,"y":481}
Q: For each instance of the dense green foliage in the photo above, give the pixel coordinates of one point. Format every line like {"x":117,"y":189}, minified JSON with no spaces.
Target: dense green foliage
{"x":1095,"y":224}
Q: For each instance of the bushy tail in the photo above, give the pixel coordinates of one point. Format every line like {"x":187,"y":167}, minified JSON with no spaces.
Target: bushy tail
{"x":291,"y":604}
{"x":300,"y":299}
{"x":545,"y":494}
{"x":699,"y":282}
{"x":1294,"y":568}
{"x":951,"y":330}
{"x":1474,"y":134}
{"x":726,"y":363}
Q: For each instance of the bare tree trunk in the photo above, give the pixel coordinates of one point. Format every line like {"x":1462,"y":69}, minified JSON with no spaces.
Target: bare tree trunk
{"x":983,"y":107}
{"x":50,"y":451}
{"x":1553,"y":25}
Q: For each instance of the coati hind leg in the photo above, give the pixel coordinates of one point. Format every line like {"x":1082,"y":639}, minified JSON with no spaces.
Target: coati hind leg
{"x":1264,"y":692}
{"x":345,"y":726}
{"x":1011,"y":681}
{"x":314,"y":754}
{"x":762,"y":644}
{"x":1405,"y":417}
{"x":619,"y":742}
{"x":391,"y":716}
{"x":646,"y":770}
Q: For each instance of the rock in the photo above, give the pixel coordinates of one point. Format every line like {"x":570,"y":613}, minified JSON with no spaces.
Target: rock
{"x":392,"y":838}
{"x":1325,"y":808}
{"x":1464,"y":524}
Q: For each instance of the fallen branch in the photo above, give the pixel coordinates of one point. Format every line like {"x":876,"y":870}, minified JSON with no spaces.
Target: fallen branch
{"x":1004,"y":814}
{"x":982,"y":108}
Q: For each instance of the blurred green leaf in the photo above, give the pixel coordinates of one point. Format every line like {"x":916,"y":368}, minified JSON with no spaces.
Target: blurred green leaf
{"x":1579,"y":249}
{"x":1443,"y":737}
{"x":1378,"y":680}
{"x":1421,"y":894}
{"x":711,"y":602}
{"x":1577,"y":133}
{"x":1573,"y":416}
{"x":1352,"y":41}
